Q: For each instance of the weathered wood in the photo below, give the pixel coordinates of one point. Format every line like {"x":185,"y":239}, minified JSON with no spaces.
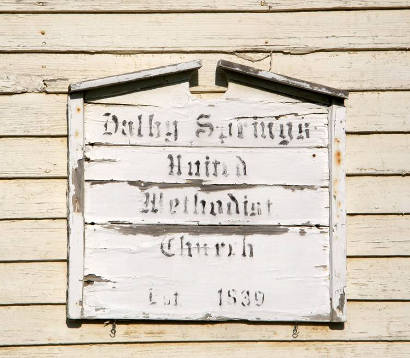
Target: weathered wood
{"x":378,"y":112}
{"x":188,"y":6}
{"x":378,"y":154}
{"x":140,"y":32}
{"x":241,"y":166}
{"x":33,"y":282}
{"x":337,"y":216}
{"x":369,"y":235}
{"x":53,"y":72}
{"x":45,"y":198}
{"x":46,"y":157}
{"x":44,"y":114}
{"x":135,"y":76}
{"x":202,"y":350}
{"x":45,"y":282}
{"x":28,"y":198}
{"x":252,"y":295}
{"x":378,"y":277}
{"x":378,"y":195}
{"x":375,"y":321}
{"x":228,"y":66}
{"x":145,"y":203}
{"x":33,"y":114}
{"x":28,"y":157}
{"x":33,"y":240}
{"x":221,"y":123}
{"x":375,"y":235}
{"x":75,"y":204}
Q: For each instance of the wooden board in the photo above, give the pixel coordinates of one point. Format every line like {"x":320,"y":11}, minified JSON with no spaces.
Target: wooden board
{"x":46,"y":157}
{"x":221,"y":123}
{"x":201,"y":350}
{"x":374,"y":279}
{"x":31,"y":198}
{"x":362,"y":70}
{"x":384,"y":235}
{"x":45,"y":198}
{"x":184,"y":5}
{"x":368,"y":235}
{"x":140,"y":32}
{"x":378,"y":195}
{"x":32,"y":240}
{"x":388,"y":321}
{"x":38,"y":114}
{"x":33,"y":114}
{"x":233,"y":286}
{"x":306,"y":166}
{"x":28,"y":157}
{"x":144,"y":203}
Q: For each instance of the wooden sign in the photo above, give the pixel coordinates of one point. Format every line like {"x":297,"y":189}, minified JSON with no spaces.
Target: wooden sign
{"x":191,"y":209}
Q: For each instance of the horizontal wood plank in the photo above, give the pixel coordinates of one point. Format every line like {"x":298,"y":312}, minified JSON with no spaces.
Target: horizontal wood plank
{"x":47,"y":157}
{"x":33,"y":114}
{"x":45,"y":282}
{"x":378,"y":154}
{"x":27,"y":198}
{"x":374,"y":235}
{"x":189,"y":6}
{"x":46,"y":198}
{"x":374,"y":321}
{"x":202,"y":350}
{"x":28,"y":157}
{"x":33,"y":240}
{"x":36,"y":72}
{"x":378,"y":112}
{"x":207,"y":32}
{"x":37,"y":114}
{"x":378,"y":195}
{"x":364,"y":70}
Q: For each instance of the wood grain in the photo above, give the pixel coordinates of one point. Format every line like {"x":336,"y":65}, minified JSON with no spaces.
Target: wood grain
{"x":46,"y":157}
{"x":126,"y":33}
{"x":25,"y":198}
{"x":45,"y":282}
{"x":37,"y":114}
{"x":378,"y":235}
{"x":363,"y":70}
{"x":33,"y":240}
{"x":187,"y":6}
{"x":374,"y":235}
{"x":28,"y":157}
{"x":202,"y":350}
{"x":374,"y":321}
{"x":45,"y":198}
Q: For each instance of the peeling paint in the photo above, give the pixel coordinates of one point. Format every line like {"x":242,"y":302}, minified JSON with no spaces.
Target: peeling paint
{"x":91,"y":278}
{"x":77,"y":179}
{"x":159,"y":230}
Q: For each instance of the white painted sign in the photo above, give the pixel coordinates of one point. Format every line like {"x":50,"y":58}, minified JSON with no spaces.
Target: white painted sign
{"x":188,"y":209}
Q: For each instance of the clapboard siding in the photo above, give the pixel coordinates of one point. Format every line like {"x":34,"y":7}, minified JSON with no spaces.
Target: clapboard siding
{"x":126,"y":33}
{"x":355,"y":71}
{"x":46,"y":198}
{"x":47,"y":157}
{"x":31,"y":240}
{"x":202,"y":350}
{"x":45,"y":282}
{"x":24,"y":6}
{"x":38,"y":114}
{"x":37,"y":240}
{"x":46,"y":324}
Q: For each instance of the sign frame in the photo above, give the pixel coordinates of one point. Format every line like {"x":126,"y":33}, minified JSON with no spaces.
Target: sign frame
{"x":336,"y":132}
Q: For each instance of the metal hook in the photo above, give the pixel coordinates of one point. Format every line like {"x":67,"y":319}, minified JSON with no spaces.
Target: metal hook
{"x":113,"y":330}
{"x":295,"y":332}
